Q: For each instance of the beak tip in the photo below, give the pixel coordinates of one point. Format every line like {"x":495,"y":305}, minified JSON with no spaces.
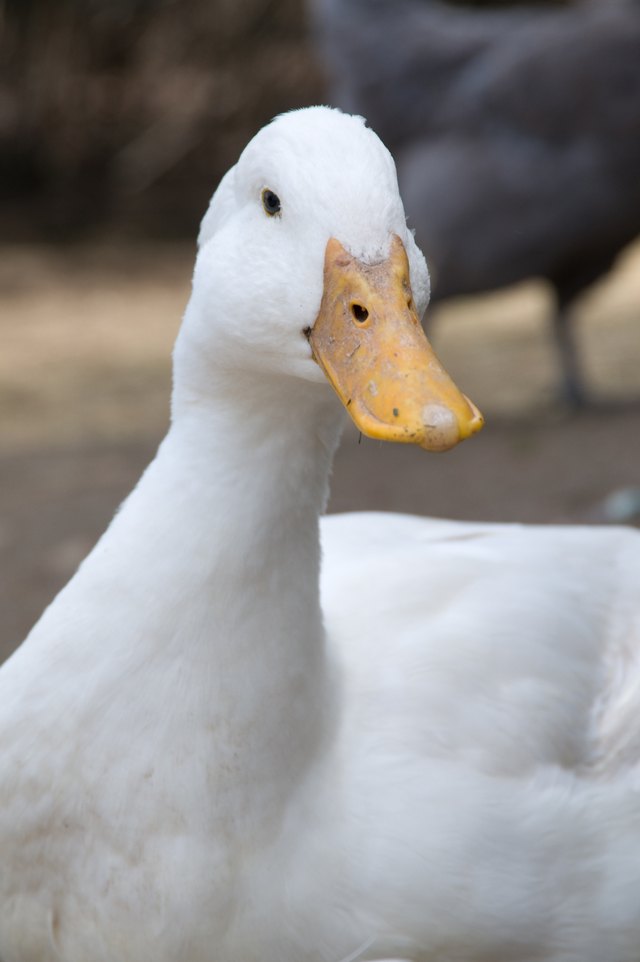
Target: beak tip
{"x":473,"y":424}
{"x":444,"y":427}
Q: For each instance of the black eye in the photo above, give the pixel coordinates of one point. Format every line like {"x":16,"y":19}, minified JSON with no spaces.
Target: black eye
{"x":270,"y":202}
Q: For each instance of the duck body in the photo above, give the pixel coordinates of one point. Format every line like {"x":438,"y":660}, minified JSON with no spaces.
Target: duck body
{"x":241,"y":733}
{"x":476,"y":791}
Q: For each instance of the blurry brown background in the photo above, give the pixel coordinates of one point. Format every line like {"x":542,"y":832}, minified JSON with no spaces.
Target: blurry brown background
{"x":116,"y":122}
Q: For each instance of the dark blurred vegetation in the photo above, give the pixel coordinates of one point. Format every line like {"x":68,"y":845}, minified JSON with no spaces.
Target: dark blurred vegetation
{"x":129,"y":111}
{"x":125,"y":113}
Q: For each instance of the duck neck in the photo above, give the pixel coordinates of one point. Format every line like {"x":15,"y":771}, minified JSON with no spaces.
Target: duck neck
{"x":244,"y":475}
{"x":259,"y":457}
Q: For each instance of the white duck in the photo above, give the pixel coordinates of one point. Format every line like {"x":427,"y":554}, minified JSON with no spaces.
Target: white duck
{"x":199,"y":762}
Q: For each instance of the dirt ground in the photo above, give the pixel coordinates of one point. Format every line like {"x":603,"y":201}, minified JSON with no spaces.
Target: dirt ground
{"x":86,"y":335}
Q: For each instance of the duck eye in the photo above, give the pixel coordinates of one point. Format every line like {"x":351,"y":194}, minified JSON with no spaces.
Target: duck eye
{"x":270,"y":202}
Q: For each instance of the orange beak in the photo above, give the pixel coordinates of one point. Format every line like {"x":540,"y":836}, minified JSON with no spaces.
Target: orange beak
{"x":368,"y":340}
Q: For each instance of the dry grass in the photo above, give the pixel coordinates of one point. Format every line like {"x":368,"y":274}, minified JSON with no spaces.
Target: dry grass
{"x":87,"y":335}
{"x":87,"y":341}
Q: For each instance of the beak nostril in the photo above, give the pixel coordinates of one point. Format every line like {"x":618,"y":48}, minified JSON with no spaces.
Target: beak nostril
{"x":360,"y":313}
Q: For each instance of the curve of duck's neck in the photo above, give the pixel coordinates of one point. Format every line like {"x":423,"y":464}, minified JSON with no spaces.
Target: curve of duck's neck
{"x":257,"y":450}
{"x":238,"y":484}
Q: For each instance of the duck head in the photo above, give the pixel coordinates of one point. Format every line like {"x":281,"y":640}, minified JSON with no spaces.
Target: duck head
{"x":306,"y":268}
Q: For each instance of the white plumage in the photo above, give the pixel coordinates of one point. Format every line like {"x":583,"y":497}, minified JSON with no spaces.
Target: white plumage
{"x":206,"y":755}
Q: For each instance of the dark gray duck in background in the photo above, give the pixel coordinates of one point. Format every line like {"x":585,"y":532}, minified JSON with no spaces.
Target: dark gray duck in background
{"x":516,"y":132}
